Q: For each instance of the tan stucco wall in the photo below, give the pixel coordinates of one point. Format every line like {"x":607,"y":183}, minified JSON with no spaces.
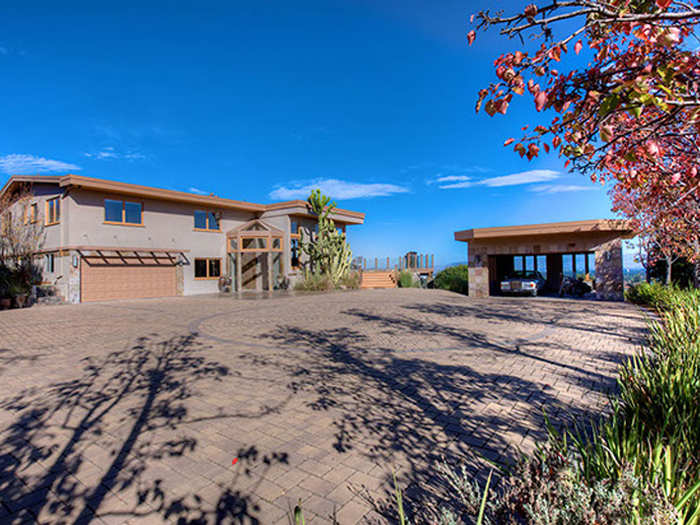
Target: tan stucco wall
{"x":166,"y":225}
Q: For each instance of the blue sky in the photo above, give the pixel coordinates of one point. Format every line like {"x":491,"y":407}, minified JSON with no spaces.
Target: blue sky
{"x":371,"y":101}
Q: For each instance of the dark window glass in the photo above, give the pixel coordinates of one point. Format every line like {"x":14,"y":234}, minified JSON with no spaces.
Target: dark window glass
{"x":50,"y":263}
{"x":214,"y":267}
{"x":213,"y":222}
{"x":295,"y":253}
{"x":57,"y":210}
{"x":132,"y":212}
{"x":234,"y":244}
{"x":276,"y":243}
{"x":113,"y":210}
{"x":295,"y":226}
{"x":200,"y":267}
{"x":200,"y":220}
{"x":591,"y":264}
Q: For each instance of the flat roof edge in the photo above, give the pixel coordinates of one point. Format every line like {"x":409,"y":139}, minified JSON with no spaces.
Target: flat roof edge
{"x":553,"y":228}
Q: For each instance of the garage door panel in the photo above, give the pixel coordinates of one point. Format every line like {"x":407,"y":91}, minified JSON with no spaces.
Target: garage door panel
{"x":104,"y":282}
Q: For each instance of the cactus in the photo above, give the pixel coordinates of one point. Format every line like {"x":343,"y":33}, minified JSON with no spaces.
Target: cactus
{"x":329,"y":253}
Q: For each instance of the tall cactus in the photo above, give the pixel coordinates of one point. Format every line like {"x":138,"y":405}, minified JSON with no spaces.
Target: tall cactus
{"x":329,"y":253}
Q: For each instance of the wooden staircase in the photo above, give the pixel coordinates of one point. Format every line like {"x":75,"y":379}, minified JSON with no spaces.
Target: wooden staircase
{"x":378,"y":279}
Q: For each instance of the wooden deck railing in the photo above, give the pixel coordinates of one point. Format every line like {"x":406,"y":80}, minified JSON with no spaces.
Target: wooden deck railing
{"x":418,"y":263}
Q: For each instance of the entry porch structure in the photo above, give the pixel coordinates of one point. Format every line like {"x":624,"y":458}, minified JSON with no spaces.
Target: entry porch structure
{"x":590,"y":249}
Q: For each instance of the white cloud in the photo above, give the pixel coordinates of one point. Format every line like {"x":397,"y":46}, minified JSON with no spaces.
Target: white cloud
{"x":337,"y":189}
{"x":26,"y":164}
{"x":192,"y":189}
{"x":559,"y":188}
{"x":515,"y":179}
{"x":110,"y":153}
{"x":449,"y":178}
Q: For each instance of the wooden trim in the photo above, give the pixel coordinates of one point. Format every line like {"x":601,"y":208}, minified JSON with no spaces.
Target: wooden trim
{"x":112,"y":223}
{"x":203,"y":230}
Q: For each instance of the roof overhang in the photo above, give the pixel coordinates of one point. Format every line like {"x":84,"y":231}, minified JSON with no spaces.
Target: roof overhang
{"x":136,"y":190}
{"x":300,"y":208}
{"x":296,"y":207}
{"x":607,"y":226}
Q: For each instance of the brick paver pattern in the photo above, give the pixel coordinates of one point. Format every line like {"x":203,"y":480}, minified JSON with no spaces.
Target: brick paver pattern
{"x":133,"y":411}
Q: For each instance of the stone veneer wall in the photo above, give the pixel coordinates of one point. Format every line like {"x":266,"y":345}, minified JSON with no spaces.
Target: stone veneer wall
{"x":73,"y":295}
{"x":608,"y":270}
{"x":479,"y":275}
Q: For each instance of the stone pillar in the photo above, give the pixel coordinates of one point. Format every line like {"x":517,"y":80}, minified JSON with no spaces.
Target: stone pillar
{"x":478,"y":274}
{"x":73,"y":295}
{"x":609,"y":280}
{"x":179,"y":280}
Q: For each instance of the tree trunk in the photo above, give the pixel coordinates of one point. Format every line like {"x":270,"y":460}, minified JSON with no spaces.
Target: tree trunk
{"x":669,"y":266}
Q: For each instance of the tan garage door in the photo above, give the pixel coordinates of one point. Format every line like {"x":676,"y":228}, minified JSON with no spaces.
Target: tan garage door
{"x":104,"y":282}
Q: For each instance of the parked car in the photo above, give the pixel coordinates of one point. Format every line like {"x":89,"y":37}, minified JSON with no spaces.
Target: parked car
{"x":523,"y":282}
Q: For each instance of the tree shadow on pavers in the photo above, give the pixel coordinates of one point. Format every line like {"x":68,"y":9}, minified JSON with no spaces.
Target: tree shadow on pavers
{"x":394,"y":410}
{"x":479,"y":341}
{"x":562,"y":314}
{"x":10,"y":357}
{"x":93,"y":446}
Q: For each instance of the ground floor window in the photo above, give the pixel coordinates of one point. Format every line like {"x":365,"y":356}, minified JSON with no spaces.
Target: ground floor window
{"x":294,"y":247}
{"x":207,"y":268}
{"x":50,"y":263}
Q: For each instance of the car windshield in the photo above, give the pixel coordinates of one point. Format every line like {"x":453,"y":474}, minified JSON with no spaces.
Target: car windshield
{"x":524,"y":275}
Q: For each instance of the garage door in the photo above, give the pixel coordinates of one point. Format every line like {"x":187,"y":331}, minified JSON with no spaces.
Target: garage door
{"x":104,"y":282}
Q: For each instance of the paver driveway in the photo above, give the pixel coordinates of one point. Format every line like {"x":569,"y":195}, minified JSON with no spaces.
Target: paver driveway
{"x":134,"y":411}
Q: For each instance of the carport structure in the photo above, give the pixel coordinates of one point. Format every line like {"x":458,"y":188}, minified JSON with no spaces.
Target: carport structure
{"x":589,"y":249}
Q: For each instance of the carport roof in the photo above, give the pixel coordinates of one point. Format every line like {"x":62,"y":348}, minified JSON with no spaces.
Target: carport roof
{"x":551,"y":228}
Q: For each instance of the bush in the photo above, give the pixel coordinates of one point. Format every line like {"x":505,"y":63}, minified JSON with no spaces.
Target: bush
{"x":322,"y":282}
{"x":351,"y":281}
{"x":454,"y":279}
{"x":657,"y":295}
{"x":407,"y":280}
{"x":315,"y":283}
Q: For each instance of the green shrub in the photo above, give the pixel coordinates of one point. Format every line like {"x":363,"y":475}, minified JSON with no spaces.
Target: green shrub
{"x":407,"y":280}
{"x":454,"y":279}
{"x":350,"y":281}
{"x":322,"y":282}
{"x":315,"y":283}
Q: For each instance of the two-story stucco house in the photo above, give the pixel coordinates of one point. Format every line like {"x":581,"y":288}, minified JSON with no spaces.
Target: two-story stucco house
{"x":110,"y":240}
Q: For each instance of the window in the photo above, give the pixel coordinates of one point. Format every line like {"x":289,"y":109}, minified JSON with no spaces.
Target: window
{"x":206,"y":220}
{"x":53,"y":211}
{"x":253,"y":243}
{"x":207,"y":268}
{"x":123,"y":212}
{"x":50,"y":264}
{"x":296,"y":263}
{"x":32,"y":213}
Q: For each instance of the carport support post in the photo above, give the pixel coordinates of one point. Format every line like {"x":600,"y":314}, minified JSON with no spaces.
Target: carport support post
{"x":608,"y":271}
{"x":478,"y":274}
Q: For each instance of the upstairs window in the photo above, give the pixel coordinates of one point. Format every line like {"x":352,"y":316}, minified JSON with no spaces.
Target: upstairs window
{"x":206,"y":221}
{"x":32,"y":213}
{"x":53,"y":211}
{"x":123,"y":212}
